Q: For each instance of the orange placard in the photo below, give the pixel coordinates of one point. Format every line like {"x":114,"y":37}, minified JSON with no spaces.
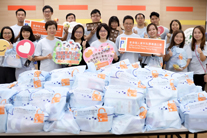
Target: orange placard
{"x":142,"y":45}
{"x":39,"y":28}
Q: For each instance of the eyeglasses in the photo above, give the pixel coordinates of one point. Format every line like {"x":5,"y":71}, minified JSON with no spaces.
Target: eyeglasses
{"x":95,"y":16}
{"x":47,"y":11}
{"x":103,"y":31}
{"x":78,"y":32}
{"x":7,"y":33}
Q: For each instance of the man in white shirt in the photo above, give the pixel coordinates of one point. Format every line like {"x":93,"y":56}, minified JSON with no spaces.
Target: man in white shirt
{"x":140,"y":29}
{"x":47,"y":13}
{"x":20,"y":15}
{"x":128,"y":23}
{"x":162,"y":31}
{"x":70,"y":17}
{"x":91,"y":35}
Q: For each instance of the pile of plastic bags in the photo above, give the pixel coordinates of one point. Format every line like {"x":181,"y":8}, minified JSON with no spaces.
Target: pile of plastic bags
{"x":120,"y":98}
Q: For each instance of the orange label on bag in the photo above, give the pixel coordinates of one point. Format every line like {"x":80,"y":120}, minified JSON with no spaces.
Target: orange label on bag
{"x":96,"y":96}
{"x":102,"y":117}
{"x":132,"y":93}
{"x":143,"y":114}
{"x":65,"y":82}
{"x":56,"y":98}
{"x":172,"y":106}
{"x":39,"y":118}
{"x":37,"y":73}
{"x":201,"y":97}
{"x":142,"y":45}
{"x":101,"y":76}
{"x":37,"y":83}
{"x":39,"y":28}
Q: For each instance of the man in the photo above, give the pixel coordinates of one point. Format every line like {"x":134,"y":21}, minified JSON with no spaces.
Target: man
{"x":91,"y":35}
{"x":47,"y":13}
{"x":70,"y":17}
{"x":140,"y":29}
{"x":128,"y":23}
{"x":20,"y":15}
{"x":162,"y":31}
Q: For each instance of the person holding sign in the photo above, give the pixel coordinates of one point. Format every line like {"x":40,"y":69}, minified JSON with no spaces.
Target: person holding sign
{"x":140,"y":29}
{"x":152,"y":59}
{"x":78,"y":37}
{"x":128,"y":23}
{"x":45,"y":47}
{"x":47,"y":13}
{"x":199,"y":53}
{"x":114,"y":24}
{"x":102,"y":34}
{"x":162,"y":31}
{"x":178,"y":52}
{"x":20,"y":15}
{"x":174,"y":26}
{"x":28,"y":63}
{"x":91,"y":35}
{"x":7,"y":74}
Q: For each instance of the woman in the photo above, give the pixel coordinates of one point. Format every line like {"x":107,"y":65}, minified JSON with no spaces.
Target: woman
{"x":102,"y":34}
{"x":29,"y":63}
{"x":199,"y":53}
{"x":174,"y":26}
{"x":7,"y":74}
{"x":178,"y":41}
{"x":155,"y":60}
{"x":45,"y":47}
{"x":114,"y":24}
{"x":78,"y":37}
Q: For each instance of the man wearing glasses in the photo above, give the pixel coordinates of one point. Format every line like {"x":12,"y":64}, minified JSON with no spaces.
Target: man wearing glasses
{"x":91,"y":35}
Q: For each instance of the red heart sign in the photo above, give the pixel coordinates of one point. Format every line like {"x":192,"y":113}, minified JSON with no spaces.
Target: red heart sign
{"x":161,"y":30}
{"x":25,"y":48}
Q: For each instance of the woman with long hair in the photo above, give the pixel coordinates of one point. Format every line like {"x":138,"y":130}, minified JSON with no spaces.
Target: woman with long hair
{"x":199,"y":53}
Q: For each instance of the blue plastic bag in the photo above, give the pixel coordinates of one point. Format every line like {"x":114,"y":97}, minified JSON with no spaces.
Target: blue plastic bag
{"x":124,"y":99}
{"x":25,"y":119}
{"x":94,"y":118}
{"x":11,"y":59}
{"x":82,"y":98}
{"x":127,"y":124}
{"x":63,"y":77}
{"x":3,"y":116}
{"x":163,"y":116}
{"x":66,"y":123}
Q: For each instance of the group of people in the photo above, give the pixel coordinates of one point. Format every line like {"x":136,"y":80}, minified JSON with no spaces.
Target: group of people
{"x":44,"y":44}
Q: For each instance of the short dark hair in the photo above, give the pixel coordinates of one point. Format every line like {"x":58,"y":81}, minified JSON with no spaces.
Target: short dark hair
{"x":151,"y":25}
{"x":105,"y":26}
{"x":113,"y":19}
{"x":180,"y":26}
{"x":47,"y":7}
{"x":128,"y":17}
{"x":154,"y":14}
{"x":2,"y":30}
{"x":95,"y":11}
{"x":69,"y":14}
{"x":73,"y":32}
{"x":20,"y":9}
{"x":48,"y":23}
{"x":29,"y":29}
{"x":139,"y":14}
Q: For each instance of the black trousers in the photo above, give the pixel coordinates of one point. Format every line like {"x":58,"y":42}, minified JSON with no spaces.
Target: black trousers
{"x":199,"y":80}
{"x":7,"y":75}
